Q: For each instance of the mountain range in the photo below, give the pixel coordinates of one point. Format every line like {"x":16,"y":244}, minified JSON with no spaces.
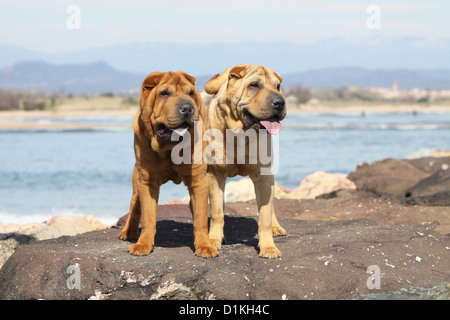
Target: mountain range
{"x":284,"y":57}
{"x":332,"y":63}
{"x":99,"y":77}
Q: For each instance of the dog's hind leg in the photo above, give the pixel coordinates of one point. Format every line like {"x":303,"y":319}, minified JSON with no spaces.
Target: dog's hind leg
{"x":130,"y":231}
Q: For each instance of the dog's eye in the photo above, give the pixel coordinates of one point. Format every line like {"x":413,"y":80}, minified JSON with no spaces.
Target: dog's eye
{"x":164,"y":93}
{"x":253,"y":85}
{"x":278,"y":87}
{"x":191,"y":93}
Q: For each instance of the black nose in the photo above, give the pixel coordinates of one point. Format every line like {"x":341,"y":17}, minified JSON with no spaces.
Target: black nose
{"x":278,"y":104}
{"x":186,"y":109}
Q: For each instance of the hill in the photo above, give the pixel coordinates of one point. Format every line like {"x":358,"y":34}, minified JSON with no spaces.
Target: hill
{"x":99,"y":77}
{"x":374,"y":52}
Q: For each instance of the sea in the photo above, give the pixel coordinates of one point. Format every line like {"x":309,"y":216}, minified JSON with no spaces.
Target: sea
{"x":48,"y":172}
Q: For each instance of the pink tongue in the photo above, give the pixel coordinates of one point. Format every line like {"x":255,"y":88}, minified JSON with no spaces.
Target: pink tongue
{"x":273,"y":127}
{"x":181,"y":132}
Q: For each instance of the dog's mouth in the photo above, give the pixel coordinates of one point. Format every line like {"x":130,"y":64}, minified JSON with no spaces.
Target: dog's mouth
{"x":272,"y":124}
{"x":165,"y":134}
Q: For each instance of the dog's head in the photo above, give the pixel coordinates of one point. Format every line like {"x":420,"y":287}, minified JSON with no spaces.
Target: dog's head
{"x":253,"y":95}
{"x":169,"y":105}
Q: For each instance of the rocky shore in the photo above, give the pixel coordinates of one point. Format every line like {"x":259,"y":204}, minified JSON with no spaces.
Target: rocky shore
{"x":392,"y":214}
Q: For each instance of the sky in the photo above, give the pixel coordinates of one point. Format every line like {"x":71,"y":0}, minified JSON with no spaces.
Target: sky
{"x":50,"y":26}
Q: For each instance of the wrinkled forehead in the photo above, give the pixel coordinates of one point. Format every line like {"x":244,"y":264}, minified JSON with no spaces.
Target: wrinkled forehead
{"x":258,"y":73}
{"x":175,"y":80}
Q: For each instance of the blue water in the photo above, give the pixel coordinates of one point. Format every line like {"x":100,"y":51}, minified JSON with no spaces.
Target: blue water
{"x":51,"y":172}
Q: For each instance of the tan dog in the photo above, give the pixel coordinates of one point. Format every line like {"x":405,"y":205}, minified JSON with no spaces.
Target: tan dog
{"x":169,"y":105}
{"x":246,"y":97}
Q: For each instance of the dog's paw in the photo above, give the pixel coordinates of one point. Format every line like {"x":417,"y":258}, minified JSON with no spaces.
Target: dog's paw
{"x":216,"y":242}
{"x":269,"y":252}
{"x":140,"y":249}
{"x":128,"y":235}
{"x":206,"y":251}
{"x":278,"y":231}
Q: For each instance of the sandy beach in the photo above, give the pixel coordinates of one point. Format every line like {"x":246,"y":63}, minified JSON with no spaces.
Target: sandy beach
{"x":80,"y":108}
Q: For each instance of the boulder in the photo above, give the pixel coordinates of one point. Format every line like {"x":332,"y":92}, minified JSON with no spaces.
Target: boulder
{"x":387,"y":176}
{"x":438,"y":182}
{"x":243,"y":190}
{"x":431,"y":165}
{"x":72,"y":225}
{"x":421,"y":153}
{"x":12,"y":236}
{"x":320,"y":260}
{"x":442,"y":153}
{"x":320,"y":183}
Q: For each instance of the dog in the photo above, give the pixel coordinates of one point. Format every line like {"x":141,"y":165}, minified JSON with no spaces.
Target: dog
{"x":169,"y":106}
{"x":246,"y":98}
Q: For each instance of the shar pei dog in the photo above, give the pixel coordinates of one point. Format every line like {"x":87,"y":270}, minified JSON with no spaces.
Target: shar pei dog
{"x":247,"y":103}
{"x":169,"y":106}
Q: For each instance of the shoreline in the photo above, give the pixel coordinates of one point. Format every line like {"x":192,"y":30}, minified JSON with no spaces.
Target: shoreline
{"x":36,"y":120}
{"x":302,"y":108}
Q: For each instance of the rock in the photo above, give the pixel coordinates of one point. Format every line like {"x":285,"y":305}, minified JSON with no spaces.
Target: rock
{"x":70,"y":225}
{"x":320,"y":183}
{"x":431,"y":165}
{"x":321,"y":260}
{"x":424,"y":153}
{"x":442,"y":153}
{"x":438,"y":182}
{"x":37,"y":231}
{"x":387,"y":176}
{"x":176,"y":201}
{"x":354,"y":204}
{"x":421,"y":153}
{"x":12,"y":236}
{"x":239,"y":190}
{"x":95,"y":222}
{"x":243,"y":190}
{"x":440,"y":291}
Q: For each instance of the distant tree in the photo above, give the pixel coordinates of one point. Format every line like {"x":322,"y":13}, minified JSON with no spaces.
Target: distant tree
{"x":301,"y":93}
{"x":9,"y":100}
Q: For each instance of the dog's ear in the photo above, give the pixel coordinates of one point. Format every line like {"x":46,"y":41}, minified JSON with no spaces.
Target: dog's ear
{"x":188,"y":77}
{"x":151,"y":81}
{"x":278,"y":76}
{"x":213,"y":85}
{"x":237,"y":72}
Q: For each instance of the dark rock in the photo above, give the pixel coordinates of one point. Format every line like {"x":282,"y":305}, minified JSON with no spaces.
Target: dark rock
{"x":380,"y":208}
{"x":387,"y":176}
{"x":436,"y":199}
{"x":437,"y":182}
{"x":423,"y":181}
{"x":430,"y":165}
{"x":321,"y":260}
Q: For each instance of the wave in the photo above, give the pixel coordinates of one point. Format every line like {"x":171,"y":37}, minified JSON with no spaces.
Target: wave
{"x":68,"y":129}
{"x":369,"y":126}
{"x":7,"y":218}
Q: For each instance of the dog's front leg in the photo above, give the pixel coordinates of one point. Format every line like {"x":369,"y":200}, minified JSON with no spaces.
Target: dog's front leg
{"x":148,"y":197}
{"x":199,"y":191}
{"x":216,"y":197}
{"x":264,"y":188}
